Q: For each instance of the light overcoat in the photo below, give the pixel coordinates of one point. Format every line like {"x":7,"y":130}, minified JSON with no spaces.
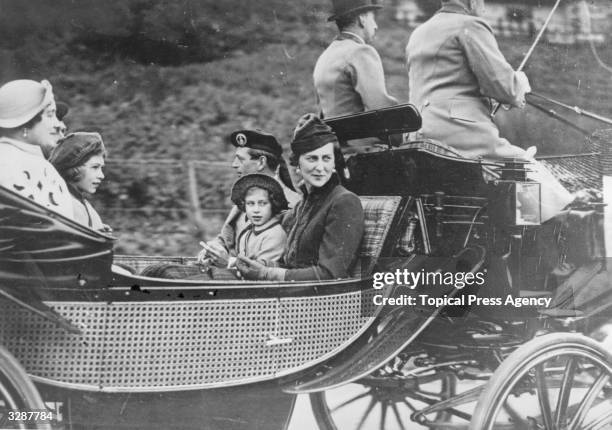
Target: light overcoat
{"x":349,"y":78}
{"x":455,"y":69}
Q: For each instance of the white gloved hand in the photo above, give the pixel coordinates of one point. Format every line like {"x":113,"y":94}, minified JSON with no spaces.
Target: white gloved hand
{"x":523,"y":87}
{"x":531,"y":152}
{"x":214,"y":253}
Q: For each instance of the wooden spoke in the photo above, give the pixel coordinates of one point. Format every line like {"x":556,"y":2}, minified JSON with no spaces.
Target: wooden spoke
{"x":588,"y":400}
{"x":397,"y":415}
{"x":365,"y":415}
{"x":383,"y":415}
{"x":567,"y":372}
{"x":564,"y":391}
{"x":410,"y":405}
{"x":599,"y":424}
{"x":351,"y":400}
{"x":543,"y":397}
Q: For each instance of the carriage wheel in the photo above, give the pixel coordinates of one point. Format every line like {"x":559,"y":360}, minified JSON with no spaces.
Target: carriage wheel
{"x":17,"y":392}
{"x":556,"y":381}
{"x":379,"y":402}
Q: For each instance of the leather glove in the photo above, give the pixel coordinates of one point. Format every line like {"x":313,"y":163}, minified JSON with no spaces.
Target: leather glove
{"x":253,"y":270}
{"x":214,"y":252}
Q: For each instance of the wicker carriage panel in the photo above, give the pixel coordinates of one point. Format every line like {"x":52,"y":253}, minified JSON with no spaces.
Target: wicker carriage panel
{"x":47,"y":350}
{"x":188,"y":343}
{"x":318,"y":326}
{"x":146,"y":346}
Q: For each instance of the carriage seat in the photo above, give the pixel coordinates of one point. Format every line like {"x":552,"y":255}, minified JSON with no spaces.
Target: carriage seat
{"x":379,"y":214}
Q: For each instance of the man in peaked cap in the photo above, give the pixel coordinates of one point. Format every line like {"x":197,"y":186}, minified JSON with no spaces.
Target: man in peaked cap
{"x":256,"y":152}
{"x":348,"y":76}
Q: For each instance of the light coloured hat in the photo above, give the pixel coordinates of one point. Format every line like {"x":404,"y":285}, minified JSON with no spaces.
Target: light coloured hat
{"x":21,"y":100}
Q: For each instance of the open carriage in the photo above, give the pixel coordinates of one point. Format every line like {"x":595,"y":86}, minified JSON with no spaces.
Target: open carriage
{"x":440,"y":354}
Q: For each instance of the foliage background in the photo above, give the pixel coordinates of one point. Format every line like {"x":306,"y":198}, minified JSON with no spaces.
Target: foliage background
{"x":170,"y":80}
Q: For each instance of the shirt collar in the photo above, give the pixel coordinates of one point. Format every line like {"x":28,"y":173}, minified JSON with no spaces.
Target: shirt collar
{"x":352,"y":36}
{"x":454,"y":6}
{"x":25,"y":147}
{"x":261,"y":228}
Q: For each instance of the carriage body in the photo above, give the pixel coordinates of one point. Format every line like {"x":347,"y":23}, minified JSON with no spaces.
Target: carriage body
{"x":95,"y":330}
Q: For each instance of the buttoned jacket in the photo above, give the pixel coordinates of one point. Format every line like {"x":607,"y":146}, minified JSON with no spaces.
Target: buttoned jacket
{"x":325,"y":231}
{"x":265,"y":243}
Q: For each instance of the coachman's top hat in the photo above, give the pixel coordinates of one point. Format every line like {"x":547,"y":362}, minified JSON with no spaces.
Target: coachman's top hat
{"x":343,"y":8}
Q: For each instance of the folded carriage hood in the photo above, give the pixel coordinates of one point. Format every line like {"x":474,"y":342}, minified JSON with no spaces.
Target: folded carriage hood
{"x":40,"y":249}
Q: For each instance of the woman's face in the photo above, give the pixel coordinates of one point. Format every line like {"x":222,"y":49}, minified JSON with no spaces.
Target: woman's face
{"x":316,"y":167}
{"x":46,"y":132}
{"x":91,"y":175}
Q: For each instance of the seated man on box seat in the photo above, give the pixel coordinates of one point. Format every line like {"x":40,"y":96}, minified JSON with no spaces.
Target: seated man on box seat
{"x":456,"y":70}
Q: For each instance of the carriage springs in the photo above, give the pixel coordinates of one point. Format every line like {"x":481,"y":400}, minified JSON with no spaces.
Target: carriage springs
{"x":457,"y":280}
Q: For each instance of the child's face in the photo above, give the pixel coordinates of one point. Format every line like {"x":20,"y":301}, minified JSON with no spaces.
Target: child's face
{"x":257,"y":206}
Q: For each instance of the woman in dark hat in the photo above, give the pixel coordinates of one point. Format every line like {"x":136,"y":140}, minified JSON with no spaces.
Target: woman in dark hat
{"x":79,"y":159}
{"x":326,"y":226}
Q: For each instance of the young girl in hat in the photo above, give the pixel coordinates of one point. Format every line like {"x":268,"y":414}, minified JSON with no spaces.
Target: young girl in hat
{"x":262,"y":199}
{"x":263,"y":239}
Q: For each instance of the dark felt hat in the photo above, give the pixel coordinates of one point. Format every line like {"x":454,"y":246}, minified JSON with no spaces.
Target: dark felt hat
{"x":256,"y":139}
{"x":268,"y":183}
{"x":342,"y":8}
{"x":75,"y":149}
{"x":311,"y":133}
{"x":61,"y":110}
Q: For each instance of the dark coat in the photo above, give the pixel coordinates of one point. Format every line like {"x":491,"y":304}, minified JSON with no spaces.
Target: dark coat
{"x":325,"y":231}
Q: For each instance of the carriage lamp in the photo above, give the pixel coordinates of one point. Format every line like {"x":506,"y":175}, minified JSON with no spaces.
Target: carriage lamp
{"x":516,"y":201}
